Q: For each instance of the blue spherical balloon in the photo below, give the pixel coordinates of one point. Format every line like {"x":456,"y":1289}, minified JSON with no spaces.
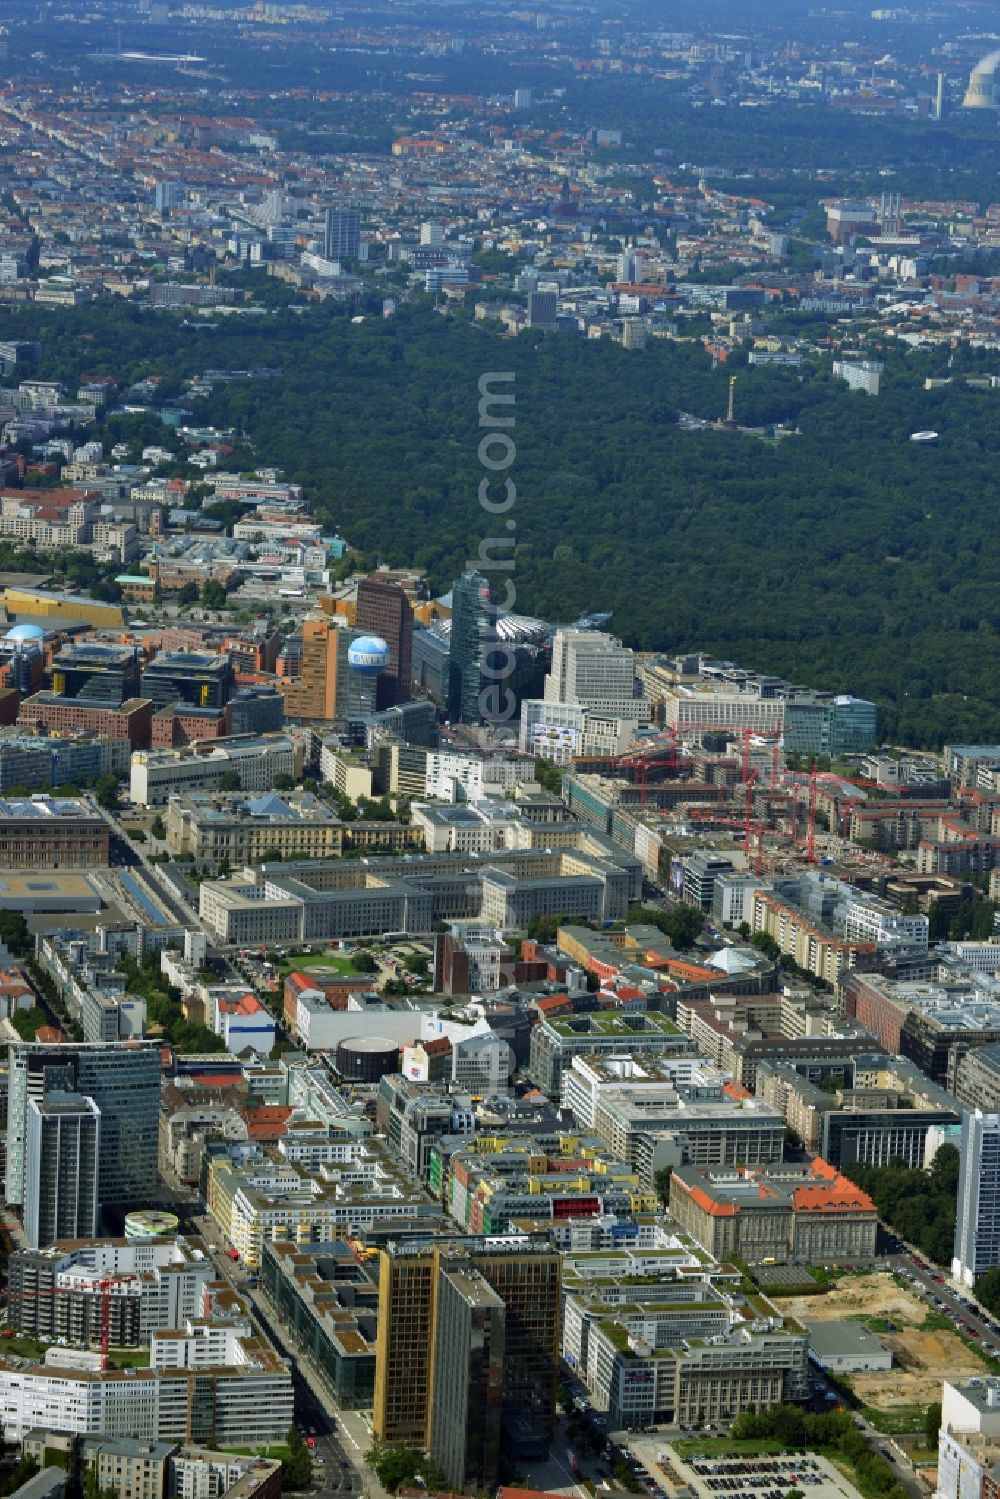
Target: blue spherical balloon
{"x":368,"y":655}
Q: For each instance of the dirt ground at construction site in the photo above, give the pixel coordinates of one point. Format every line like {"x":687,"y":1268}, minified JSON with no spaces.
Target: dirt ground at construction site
{"x":922,"y":1355}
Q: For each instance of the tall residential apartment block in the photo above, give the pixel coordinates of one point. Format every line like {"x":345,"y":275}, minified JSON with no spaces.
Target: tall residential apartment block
{"x":467,"y":1350}
{"x":342,"y":236}
{"x":56,"y":1292}
{"x":62,"y":1151}
{"x":977,"y":1221}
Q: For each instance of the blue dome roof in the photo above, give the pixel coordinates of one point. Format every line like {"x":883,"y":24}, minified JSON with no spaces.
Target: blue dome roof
{"x":26,"y":632}
{"x":370,"y":653}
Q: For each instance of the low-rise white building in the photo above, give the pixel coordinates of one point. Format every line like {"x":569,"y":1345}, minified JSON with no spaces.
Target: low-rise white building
{"x":869,"y":919}
{"x":967,"y":1440}
{"x":158,"y":1283}
{"x":588,"y":1079}
{"x":156,"y":775}
{"x":451,"y":777}
{"x":245,"y":1397}
{"x":669,"y":1346}
{"x":481,"y":1063}
{"x":557,"y":731}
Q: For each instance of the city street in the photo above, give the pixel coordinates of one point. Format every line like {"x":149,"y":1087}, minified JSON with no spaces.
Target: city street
{"x":553,"y":1474}
{"x":341,"y":1437}
{"x":971,"y":1319}
{"x":935,"y":1283}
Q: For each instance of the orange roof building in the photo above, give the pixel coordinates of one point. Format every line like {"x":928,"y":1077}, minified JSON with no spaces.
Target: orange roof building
{"x":554,"y":1004}
{"x":811,"y":1214}
{"x":508,"y":1493}
{"x":50,"y":1035}
{"x":266,"y":1123}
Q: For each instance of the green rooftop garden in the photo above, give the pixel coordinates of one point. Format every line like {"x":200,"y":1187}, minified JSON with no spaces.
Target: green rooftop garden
{"x":611,"y":1023}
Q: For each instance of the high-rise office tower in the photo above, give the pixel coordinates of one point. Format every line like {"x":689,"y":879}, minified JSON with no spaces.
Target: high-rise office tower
{"x":467,"y":1351}
{"x":342,"y":238}
{"x":591,"y":670}
{"x":282,"y":237}
{"x":977,"y":1221}
{"x":631,"y":267}
{"x":403,"y":1346}
{"x":471,"y":621}
{"x":528,"y":1280}
{"x":62,"y":1154}
{"x":384,"y":610}
{"x":122,"y":1079}
{"x":633,"y":333}
{"x":318,"y":686}
{"x":542,"y":309}
{"x":169,"y":195}
{"x":467,"y":1377}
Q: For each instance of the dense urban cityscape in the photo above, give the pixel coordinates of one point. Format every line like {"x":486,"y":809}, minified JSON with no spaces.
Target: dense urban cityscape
{"x":499,"y":750}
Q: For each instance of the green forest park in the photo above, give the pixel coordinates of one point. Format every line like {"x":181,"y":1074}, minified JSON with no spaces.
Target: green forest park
{"x":846,"y":556}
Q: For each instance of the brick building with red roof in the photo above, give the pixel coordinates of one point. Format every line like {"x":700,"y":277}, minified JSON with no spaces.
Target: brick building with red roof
{"x":811,"y":1214}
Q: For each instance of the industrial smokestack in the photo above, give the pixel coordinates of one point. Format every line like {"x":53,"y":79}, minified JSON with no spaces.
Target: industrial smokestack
{"x":981,"y":93}
{"x":939,"y":101}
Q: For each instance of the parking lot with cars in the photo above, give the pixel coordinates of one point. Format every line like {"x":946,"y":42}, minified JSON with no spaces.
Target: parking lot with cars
{"x":969,"y":1318}
{"x":761,"y":1477}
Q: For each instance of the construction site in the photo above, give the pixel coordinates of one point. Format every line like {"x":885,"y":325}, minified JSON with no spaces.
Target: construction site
{"x":924,"y":1351}
{"x":727,"y":786}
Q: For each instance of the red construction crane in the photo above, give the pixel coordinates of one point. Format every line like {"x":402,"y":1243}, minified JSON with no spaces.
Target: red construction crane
{"x":811,"y":829}
{"x":758,"y":863}
{"x":104,"y":1287}
{"x":645,"y":757}
{"x":746,"y":736}
{"x":748,"y":813}
{"x":745,"y":759}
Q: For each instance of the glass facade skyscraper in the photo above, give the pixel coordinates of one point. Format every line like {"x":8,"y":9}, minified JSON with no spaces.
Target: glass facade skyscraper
{"x":977,"y":1220}
{"x":471,"y":620}
{"x":62,"y":1154}
{"x":467,"y":1349}
{"x":123,"y":1080}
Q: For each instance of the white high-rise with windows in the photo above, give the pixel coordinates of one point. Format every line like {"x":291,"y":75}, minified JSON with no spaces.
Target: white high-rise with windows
{"x":977,"y":1224}
{"x":593,"y":671}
